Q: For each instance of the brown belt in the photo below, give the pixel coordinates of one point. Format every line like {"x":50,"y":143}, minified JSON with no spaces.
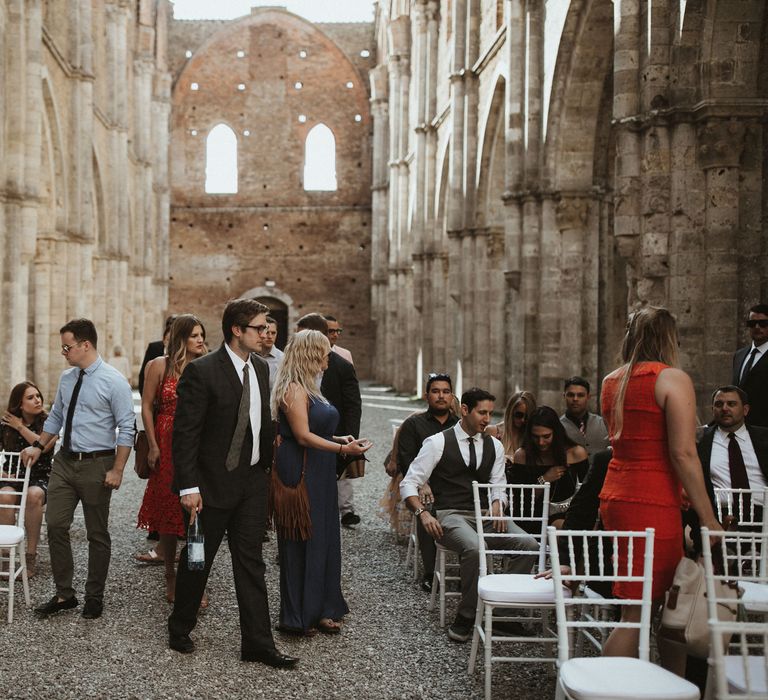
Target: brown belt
{"x":80,"y":456}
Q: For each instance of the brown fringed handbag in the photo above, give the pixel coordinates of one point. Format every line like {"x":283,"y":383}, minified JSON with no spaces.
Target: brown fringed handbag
{"x":289,"y":505}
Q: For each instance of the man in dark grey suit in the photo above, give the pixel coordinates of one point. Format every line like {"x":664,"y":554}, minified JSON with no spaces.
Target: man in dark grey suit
{"x":222,"y":454}
{"x":750,"y":366}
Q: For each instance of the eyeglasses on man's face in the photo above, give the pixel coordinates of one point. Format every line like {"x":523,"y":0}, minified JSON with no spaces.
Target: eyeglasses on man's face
{"x":66,"y":348}
{"x":753,"y":322}
{"x":260,"y":329}
{"x":335,"y":331}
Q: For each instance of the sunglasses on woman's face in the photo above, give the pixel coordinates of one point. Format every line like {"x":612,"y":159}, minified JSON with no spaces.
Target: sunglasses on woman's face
{"x":520,"y":415}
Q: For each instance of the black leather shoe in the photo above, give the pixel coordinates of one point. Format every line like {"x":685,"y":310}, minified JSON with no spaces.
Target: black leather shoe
{"x":55,"y":605}
{"x":181,"y":643}
{"x":270,"y":657}
{"x":350,"y":519}
{"x":92,"y":609}
{"x":426,"y":584}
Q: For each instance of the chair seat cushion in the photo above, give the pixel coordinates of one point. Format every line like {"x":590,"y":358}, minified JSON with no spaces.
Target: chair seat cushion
{"x":517,"y":588}
{"x":755,"y":598}
{"x":756,"y":669}
{"x":10,"y":535}
{"x":618,"y":677}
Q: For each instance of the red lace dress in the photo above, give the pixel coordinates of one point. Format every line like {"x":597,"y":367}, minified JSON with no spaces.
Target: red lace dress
{"x":641,"y":488}
{"x":160,"y":510}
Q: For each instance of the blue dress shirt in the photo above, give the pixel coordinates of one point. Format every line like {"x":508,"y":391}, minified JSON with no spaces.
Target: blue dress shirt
{"x":104,"y":405}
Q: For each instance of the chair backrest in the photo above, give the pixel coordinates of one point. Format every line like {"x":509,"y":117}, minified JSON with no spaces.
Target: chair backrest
{"x":527,"y":503}
{"x":636,"y":551}
{"x":12,"y":471}
{"x":743,"y":673}
{"x":744,"y":558}
{"x":741,"y":503}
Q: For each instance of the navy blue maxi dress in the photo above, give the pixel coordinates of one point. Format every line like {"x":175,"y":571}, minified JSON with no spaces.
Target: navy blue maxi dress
{"x":310,"y":571}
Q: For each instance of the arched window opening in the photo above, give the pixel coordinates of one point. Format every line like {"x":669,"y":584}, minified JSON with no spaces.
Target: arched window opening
{"x":320,"y":159}
{"x":221,"y":161}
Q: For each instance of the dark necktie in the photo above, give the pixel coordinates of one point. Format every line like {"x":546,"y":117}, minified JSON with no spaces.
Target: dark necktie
{"x":748,"y":367}
{"x":243,"y":419}
{"x":66,"y":446}
{"x":472,"y":455}
{"x":739,"y":479}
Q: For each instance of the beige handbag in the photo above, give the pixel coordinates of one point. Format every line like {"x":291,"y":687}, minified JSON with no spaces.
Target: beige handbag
{"x":684,"y":617}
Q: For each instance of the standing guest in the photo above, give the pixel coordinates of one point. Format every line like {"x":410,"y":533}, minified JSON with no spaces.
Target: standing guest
{"x":413,"y":431}
{"x":340,"y":386}
{"x":310,"y":564}
{"x":334,"y":333}
{"x":222,"y":452}
{"x":22,"y":424}
{"x":650,"y":409}
{"x":160,"y":510}
{"x":582,"y":427}
{"x":451,"y":460}
{"x":155,"y":349}
{"x":95,"y":407}
{"x":120,"y":362}
{"x":271,"y":354}
{"x":750,"y":368}
{"x":549,"y":456}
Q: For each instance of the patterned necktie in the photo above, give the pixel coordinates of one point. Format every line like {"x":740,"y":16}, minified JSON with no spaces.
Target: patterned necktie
{"x":243,"y":419}
{"x":739,"y":478}
{"x":583,"y":426}
{"x":66,"y":446}
{"x":472,"y":455}
{"x":748,"y":367}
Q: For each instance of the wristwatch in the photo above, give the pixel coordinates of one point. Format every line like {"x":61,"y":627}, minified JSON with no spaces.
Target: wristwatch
{"x":541,"y":480}
{"x":37,"y":444}
{"x":419,"y":511}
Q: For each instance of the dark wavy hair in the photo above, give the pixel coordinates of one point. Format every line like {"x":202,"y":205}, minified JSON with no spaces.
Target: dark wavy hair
{"x":546,"y":417}
{"x":14,"y":406}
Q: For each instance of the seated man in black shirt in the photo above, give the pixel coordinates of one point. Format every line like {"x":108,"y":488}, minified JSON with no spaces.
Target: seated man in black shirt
{"x":412,"y":433}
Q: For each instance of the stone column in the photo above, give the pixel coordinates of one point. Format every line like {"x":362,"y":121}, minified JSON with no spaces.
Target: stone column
{"x":721,"y":143}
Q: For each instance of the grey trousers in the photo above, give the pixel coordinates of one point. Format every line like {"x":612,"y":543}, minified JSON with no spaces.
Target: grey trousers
{"x":460,"y":536}
{"x":74,"y":482}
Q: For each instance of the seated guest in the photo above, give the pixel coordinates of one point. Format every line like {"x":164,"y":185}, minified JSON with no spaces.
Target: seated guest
{"x":414,"y":430}
{"x":451,"y":460}
{"x":22,"y":424}
{"x":732,"y":453}
{"x":582,"y":427}
{"x":549,"y":456}
{"x":510,"y":431}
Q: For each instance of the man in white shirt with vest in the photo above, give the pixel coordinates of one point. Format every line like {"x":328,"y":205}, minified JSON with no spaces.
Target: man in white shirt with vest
{"x":451,"y":461}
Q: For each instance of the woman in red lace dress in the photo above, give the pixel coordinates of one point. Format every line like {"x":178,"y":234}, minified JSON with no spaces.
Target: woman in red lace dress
{"x":650,"y":409}
{"x":160,"y":509}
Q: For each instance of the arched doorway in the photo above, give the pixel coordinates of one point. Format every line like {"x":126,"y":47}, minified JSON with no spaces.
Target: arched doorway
{"x":280,"y":308}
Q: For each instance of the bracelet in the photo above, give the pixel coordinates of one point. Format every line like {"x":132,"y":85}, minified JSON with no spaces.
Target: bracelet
{"x":341,"y":448}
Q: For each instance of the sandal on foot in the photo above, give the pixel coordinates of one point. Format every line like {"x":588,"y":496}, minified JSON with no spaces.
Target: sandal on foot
{"x":329,"y":626}
{"x":150,"y":557}
{"x":204,"y":602}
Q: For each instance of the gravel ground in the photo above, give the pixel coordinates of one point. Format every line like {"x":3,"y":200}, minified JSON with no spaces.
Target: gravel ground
{"x":391,"y":645}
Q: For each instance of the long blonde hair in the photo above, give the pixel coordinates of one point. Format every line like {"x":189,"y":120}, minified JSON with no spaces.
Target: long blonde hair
{"x":651,"y":337}
{"x":181,"y":329}
{"x":301,"y":364}
{"x":511,"y":438}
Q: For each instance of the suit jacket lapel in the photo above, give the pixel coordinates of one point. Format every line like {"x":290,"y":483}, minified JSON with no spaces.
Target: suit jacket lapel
{"x":229,"y":371}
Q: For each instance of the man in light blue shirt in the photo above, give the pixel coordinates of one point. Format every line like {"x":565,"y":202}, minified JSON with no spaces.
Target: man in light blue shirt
{"x":94,"y":406}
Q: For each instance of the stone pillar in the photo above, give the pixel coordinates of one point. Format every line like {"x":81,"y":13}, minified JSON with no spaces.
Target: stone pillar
{"x":721,"y":142}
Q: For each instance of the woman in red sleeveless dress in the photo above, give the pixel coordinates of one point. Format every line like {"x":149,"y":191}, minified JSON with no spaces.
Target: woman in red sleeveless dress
{"x":160,"y":510}
{"x":650,"y":409}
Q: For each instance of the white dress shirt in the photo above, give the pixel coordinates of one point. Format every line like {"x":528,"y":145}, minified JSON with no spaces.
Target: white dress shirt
{"x":255,"y":412}
{"x":432,"y":451}
{"x":718,"y":462}
{"x":761,"y":349}
{"x":255,"y":399}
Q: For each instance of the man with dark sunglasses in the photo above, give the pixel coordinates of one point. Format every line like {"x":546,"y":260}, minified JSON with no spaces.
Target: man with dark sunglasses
{"x":750,"y":368}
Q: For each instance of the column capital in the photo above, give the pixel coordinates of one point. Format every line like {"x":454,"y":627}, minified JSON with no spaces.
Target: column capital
{"x":720,"y":143}
{"x":572,"y":212}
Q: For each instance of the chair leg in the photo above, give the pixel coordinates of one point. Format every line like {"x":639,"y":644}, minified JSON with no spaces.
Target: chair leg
{"x":476,"y":635}
{"x":416,"y":552}
{"x":488,"y":649}
{"x":24,"y":577}
{"x":559,"y":692}
{"x":436,"y":582}
{"x":441,"y":592}
{"x":11,"y":581}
